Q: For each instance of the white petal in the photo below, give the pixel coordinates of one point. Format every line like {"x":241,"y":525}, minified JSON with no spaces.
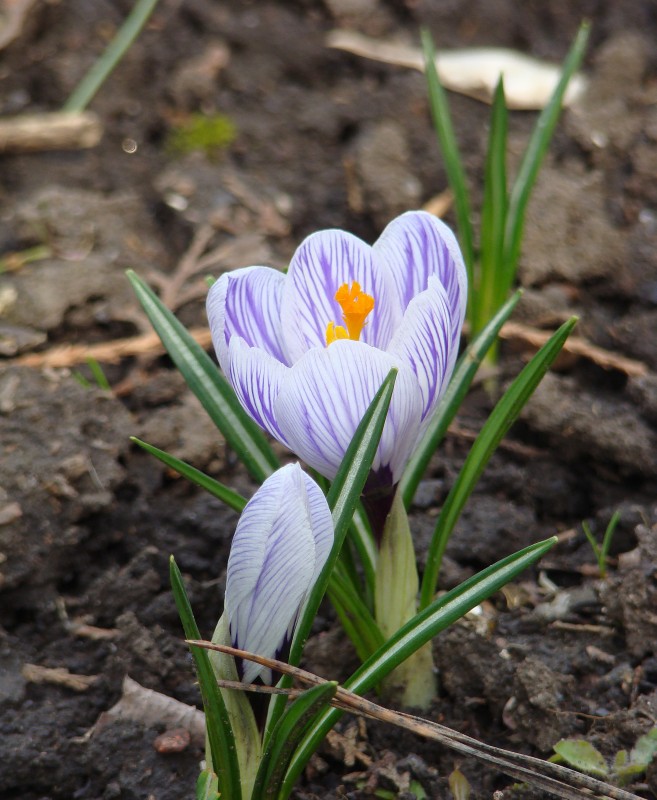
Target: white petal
{"x":321,"y":523}
{"x":247,"y":303}
{"x":256,"y":378}
{"x":417,"y":246}
{"x":324,"y":396}
{"x":322,"y":263}
{"x":272,"y":564}
{"x":428,"y":341}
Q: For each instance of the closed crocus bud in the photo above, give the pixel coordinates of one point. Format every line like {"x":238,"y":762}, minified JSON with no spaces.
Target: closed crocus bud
{"x":281,"y":544}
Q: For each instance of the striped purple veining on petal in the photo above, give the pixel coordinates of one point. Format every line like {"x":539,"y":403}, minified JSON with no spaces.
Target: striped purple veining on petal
{"x":253,"y":309}
{"x":257,"y":378}
{"x":427,"y":341}
{"x":417,"y":246}
{"x":325,"y":396}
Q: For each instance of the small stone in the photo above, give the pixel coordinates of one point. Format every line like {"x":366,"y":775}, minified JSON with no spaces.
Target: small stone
{"x":173,"y":741}
{"x":10,"y":513}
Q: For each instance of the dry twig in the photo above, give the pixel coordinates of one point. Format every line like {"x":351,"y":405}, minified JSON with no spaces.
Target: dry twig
{"x":150,"y":344}
{"x":68,"y":355}
{"x":55,"y":130}
{"x":559,"y":781}
{"x":577,"y":346}
{"x":59,"y":676}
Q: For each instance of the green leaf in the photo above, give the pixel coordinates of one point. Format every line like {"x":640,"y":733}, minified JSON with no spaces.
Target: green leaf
{"x":217,"y":723}
{"x":621,"y":759}
{"x":495,"y":428}
{"x":464,"y":372}
{"x":645,"y":748}
{"x":453,"y":165}
{"x":354,"y":615}
{"x":606,"y":542}
{"x":286,"y":736}
{"x":363,"y":541}
{"x":203,"y":378}
{"x":207,"y":786}
{"x":459,"y":785}
{"x":490,"y":295}
{"x":99,"y":375}
{"x":581,"y":755}
{"x":442,"y":613}
{"x":226,"y":495}
{"x":343,"y":500}
{"x":85,"y":91}
{"x":533,"y":158}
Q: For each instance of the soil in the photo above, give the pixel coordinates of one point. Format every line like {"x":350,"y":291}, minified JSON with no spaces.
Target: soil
{"x":88,"y":520}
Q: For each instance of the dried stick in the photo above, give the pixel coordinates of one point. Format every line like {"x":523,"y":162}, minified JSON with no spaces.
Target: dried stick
{"x":56,"y":130}
{"x":576,"y":346}
{"x":112,"y":352}
{"x":106,"y":352}
{"x":560,"y":781}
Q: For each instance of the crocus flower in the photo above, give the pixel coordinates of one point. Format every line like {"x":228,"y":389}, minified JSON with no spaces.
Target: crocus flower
{"x":307,"y":351}
{"x":281,"y":544}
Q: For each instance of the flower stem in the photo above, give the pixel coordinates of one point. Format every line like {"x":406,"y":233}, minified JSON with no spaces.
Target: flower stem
{"x":413,"y":683}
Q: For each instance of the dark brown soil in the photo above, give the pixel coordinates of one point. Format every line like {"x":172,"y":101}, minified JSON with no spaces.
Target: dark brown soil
{"x":88,"y":521}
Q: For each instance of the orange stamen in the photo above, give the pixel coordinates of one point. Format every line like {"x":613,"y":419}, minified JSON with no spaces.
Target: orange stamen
{"x":356,"y":306}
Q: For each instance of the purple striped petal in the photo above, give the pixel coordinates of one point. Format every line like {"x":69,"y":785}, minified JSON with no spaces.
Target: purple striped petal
{"x":417,"y":246}
{"x":256,"y":378}
{"x":247,"y":303}
{"x":325,"y":395}
{"x":427,"y":341}
{"x":322,"y":263}
{"x":281,"y":543}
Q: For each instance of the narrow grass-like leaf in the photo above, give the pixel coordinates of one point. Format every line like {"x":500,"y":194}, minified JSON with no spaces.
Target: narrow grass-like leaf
{"x":442,"y":612}
{"x":286,"y":737}
{"x":531,"y":162}
{"x":494,"y":429}
{"x":356,"y":618}
{"x":343,"y":500}
{"x":363,"y":541}
{"x":606,"y":541}
{"x":442,"y":122}
{"x":217,"y":722}
{"x":464,"y":372}
{"x":84,"y":92}
{"x":99,"y":374}
{"x":219,"y":490}
{"x":203,"y":378}
{"x":493,"y":216}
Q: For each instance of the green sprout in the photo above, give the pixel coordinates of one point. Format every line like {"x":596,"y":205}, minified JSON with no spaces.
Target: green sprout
{"x":207,"y":133}
{"x":99,"y":377}
{"x":492,"y":261}
{"x":625,"y":767}
{"x":602,"y":550}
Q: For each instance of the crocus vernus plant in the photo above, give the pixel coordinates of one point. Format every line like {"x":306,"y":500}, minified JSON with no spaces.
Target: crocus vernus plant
{"x":307,"y":351}
{"x":281,"y":544}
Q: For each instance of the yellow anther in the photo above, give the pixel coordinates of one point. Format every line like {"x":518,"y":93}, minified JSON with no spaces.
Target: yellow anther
{"x":335,"y":332}
{"x":355,"y":305}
